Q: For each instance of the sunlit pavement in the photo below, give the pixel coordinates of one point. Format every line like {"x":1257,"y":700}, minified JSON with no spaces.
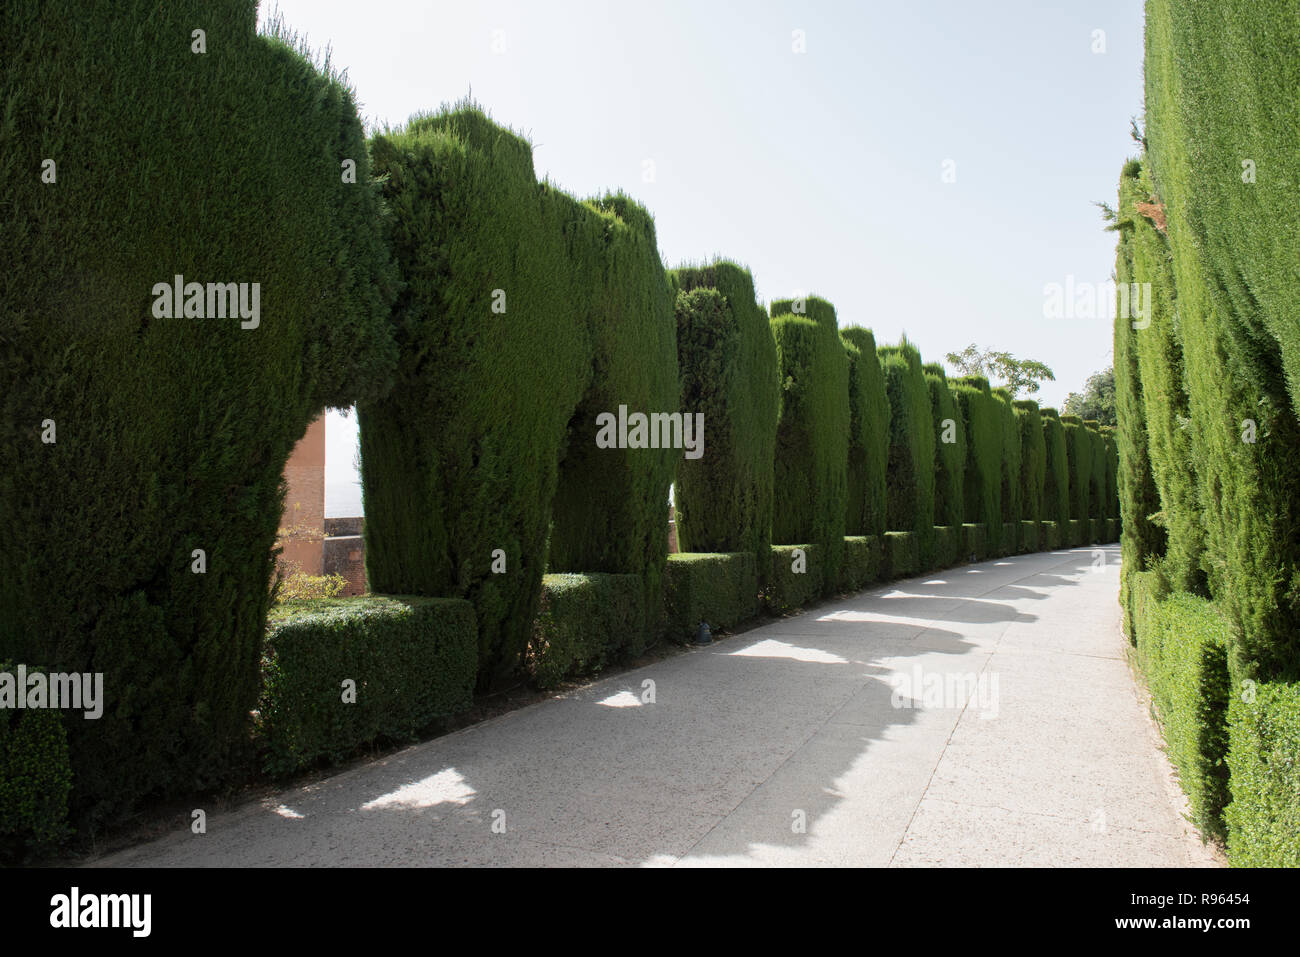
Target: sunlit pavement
{"x":982,"y":715}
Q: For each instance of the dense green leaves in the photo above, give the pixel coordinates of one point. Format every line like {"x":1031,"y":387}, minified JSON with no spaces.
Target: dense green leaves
{"x":911,"y":475}
{"x":868,"y":435}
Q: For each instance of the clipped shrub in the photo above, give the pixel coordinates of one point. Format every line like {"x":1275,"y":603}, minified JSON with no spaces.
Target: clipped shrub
{"x":1011,"y":505}
{"x":1183,"y":652}
{"x":863,"y":556}
{"x":812,"y":435}
{"x":459,"y":463}
{"x":611,"y":505}
{"x":1030,"y":537}
{"x":982,"y":423}
{"x":412,"y":661}
{"x":729,"y":372}
{"x":1056,"y":484}
{"x":948,"y":542}
{"x":1112,"y":472}
{"x":136,"y":425}
{"x":901,"y":555}
{"x":1097,"y":474}
{"x":949,"y":456}
{"x":1263,"y":820}
{"x":584,"y":622}
{"x":1033,"y":459}
{"x":975,"y":541}
{"x":1078,"y":450}
{"x":35,"y":780}
{"x":911,"y":468}
{"x":1050,"y":533}
{"x":868,"y":435}
{"x":797,"y":577}
{"x":721,"y":589}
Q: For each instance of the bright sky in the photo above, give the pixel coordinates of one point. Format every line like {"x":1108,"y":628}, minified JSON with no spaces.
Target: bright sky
{"x":823,"y":171}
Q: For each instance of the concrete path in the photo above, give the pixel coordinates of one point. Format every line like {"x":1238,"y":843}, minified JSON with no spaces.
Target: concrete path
{"x":983,"y":715}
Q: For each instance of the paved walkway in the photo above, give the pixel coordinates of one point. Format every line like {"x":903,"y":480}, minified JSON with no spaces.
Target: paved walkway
{"x":983,"y":715}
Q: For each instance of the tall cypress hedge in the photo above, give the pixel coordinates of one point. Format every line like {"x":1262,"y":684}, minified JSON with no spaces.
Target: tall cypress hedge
{"x":1011,"y":506}
{"x":1056,"y":485}
{"x":128,"y":439}
{"x":911,"y":477}
{"x":1033,"y":459}
{"x":461,"y":459}
{"x":949,"y":457}
{"x":729,"y":374}
{"x":1078,"y":450}
{"x":1097,"y":476}
{"x":812,"y":434}
{"x":611,"y":505}
{"x":868,"y":435}
{"x":982,"y":483}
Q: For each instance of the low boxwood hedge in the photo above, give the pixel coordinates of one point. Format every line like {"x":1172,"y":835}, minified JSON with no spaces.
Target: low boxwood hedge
{"x":974,"y":541}
{"x":901,"y":555}
{"x":1030,"y":536}
{"x":583,"y":623}
{"x":948,"y":546}
{"x":860,"y":565}
{"x":788,"y":589}
{"x":720,"y":588}
{"x":1050,"y":535}
{"x":412,"y":659}
{"x":1263,"y":820}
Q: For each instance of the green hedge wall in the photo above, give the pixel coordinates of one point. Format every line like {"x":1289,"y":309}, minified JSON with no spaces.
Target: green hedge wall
{"x":948,"y":542}
{"x":727,"y":357}
{"x":610,"y":512}
{"x":1078,"y":449}
{"x":412,"y":661}
{"x":1011,"y":504}
{"x":1112,"y":472}
{"x":170,"y":434}
{"x":863,"y":557}
{"x":1056,"y":483}
{"x":584,"y":622}
{"x":911,"y":476}
{"x":982,"y":483}
{"x":721,"y":589}
{"x":1033,"y":459}
{"x":1182,"y":647}
{"x":1097,"y":502}
{"x":788,"y":588}
{"x":902,"y":555}
{"x":812,"y":436}
{"x":949,"y":457}
{"x":1263,"y":819}
{"x":461,"y":459}
{"x":868,"y":435}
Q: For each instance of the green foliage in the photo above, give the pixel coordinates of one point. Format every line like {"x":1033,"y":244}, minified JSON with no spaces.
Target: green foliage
{"x":1097,"y":400}
{"x":729,"y":373}
{"x":788,"y":589}
{"x":948,"y":543}
{"x":584,"y":623}
{"x":35,"y":781}
{"x":1182,"y":648}
{"x":911,"y":472}
{"x":611,"y":506}
{"x":1056,"y":483}
{"x":975,"y":541}
{"x":902,"y":556}
{"x":868,"y":435}
{"x":171,"y":433}
{"x":863,"y":556}
{"x":412,"y":661}
{"x":721,"y":589}
{"x":1049,"y":536}
{"x":812,"y":436}
{"x":1029,"y":538}
{"x":1011,"y":504}
{"x":949,"y":457}
{"x":1078,"y":448}
{"x":1234,"y":245}
{"x":1264,"y":757}
{"x":1020,"y":375}
{"x":982,"y":423}
{"x":1033,"y":459}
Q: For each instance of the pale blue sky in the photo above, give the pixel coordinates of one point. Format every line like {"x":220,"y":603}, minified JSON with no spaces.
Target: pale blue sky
{"x":821,"y":171}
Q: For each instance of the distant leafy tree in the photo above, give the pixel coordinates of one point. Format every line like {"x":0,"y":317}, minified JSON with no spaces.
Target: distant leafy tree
{"x":1017,"y":375}
{"x":1096,"y":401}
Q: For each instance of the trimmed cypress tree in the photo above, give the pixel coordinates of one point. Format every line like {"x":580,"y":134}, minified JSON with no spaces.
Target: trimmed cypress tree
{"x":1097,"y":500}
{"x":142,"y":439}
{"x":1011,"y":506}
{"x":1033,"y":459}
{"x":611,"y":505}
{"x":910,"y":484}
{"x":1056,"y":485}
{"x":949,"y":457}
{"x":982,"y":483}
{"x":869,"y":427}
{"x":812,"y":434}
{"x":1078,"y":450}
{"x":729,"y":374}
{"x":1112,"y":471}
{"x":460,"y":463}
